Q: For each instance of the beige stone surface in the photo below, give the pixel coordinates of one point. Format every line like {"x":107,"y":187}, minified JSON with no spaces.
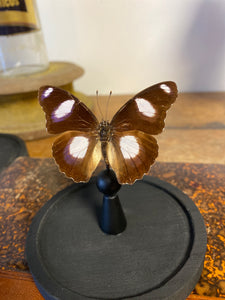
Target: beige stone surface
{"x":194,"y":132}
{"x":196,"y":145}
{"x":191,"y":110}
{"x":198,"y":110}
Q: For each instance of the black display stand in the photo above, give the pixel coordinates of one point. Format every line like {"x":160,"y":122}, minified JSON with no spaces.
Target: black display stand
{"x":112,"y":219}
{"x":11,"y":147}
{"x":159,"y":255}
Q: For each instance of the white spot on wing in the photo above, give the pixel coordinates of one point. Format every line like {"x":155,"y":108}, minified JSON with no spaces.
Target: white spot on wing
{"x":129,"y":146}
{"x":63,"y":110}
{"x":48,"y":92}
{"x":78,"y":146}
{"x":145,"y":107}
{"x":166,"y":88}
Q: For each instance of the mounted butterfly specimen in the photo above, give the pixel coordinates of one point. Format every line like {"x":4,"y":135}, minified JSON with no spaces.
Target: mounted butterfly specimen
{"x":126,"y":143}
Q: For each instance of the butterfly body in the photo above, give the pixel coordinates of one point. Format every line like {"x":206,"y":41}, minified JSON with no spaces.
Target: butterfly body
{"x":104,"y":132}
{"x":125,"y":143}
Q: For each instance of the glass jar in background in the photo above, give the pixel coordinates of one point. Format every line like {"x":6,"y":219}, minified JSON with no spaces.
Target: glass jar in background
{"x":22,"y":47}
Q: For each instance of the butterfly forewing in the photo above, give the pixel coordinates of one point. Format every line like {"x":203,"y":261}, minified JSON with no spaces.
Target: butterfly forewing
{"x":77,"y":154}
{"x":146,"y":111}
{"x":131,"y":154}
{"x":64,"y":111}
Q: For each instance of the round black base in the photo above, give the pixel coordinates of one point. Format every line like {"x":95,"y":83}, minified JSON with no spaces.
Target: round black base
{"x":11,"y":147}
{"x":159,"y":256}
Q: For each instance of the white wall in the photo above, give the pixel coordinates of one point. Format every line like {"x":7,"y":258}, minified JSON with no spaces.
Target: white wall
{"x":127,"y":45}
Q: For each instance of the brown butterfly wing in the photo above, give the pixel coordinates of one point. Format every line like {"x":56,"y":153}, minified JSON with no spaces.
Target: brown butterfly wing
{"x":146,"y":111}
{"x":131,"y":154}
{"x":77,"y":154}
{"x":64,"y":111}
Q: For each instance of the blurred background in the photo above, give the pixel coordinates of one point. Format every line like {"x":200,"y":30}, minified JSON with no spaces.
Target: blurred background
{"x":127,"y":45}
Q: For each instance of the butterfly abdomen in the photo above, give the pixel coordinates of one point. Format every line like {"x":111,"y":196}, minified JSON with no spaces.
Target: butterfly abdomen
{"x":104,"y":146}
{"x":105,"y":137}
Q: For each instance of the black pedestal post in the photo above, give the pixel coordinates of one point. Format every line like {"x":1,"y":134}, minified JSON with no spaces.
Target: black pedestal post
{"x":112,"y":219}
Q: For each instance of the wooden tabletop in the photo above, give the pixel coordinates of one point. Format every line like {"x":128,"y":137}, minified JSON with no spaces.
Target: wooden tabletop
{"x":194,"y":133}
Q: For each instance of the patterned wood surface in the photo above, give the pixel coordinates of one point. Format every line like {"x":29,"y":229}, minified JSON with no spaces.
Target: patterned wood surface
{"x":28,"y":183}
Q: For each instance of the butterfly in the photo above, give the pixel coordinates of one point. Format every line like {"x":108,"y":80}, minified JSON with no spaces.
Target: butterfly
{"x":125,"y":143}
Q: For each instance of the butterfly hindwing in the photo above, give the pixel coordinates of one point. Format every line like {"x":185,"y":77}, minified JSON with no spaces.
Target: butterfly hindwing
{"x":131,"y":154}
{"x":77,"y":154}
{"x":64,"y":111}
{"x":146,"y":111}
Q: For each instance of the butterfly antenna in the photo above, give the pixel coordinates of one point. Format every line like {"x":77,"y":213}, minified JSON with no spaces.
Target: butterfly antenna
{"x":99,"y":108}
{"x":107,"y":106}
